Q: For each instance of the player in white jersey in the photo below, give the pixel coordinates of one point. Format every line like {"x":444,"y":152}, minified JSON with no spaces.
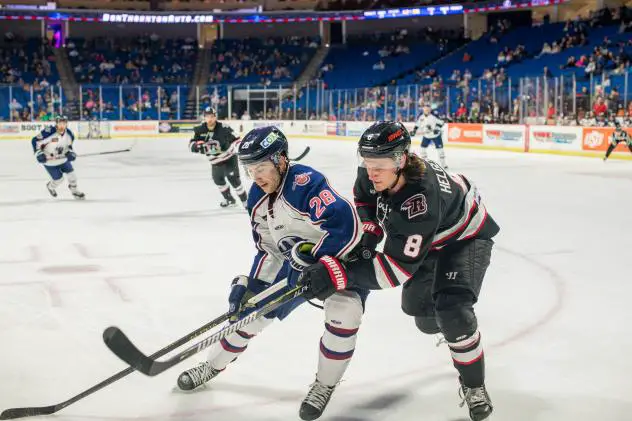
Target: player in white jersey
{"x":53,"y":148}
{"x":297,"y":218}
{"x":431,"y":126}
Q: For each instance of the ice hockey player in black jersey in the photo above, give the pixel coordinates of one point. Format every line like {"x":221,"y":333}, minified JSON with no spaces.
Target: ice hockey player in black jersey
{"x":219,"y":144}
{"x":438,"y":246}
{"x":617,"y":137}
{"x":53,"y":149}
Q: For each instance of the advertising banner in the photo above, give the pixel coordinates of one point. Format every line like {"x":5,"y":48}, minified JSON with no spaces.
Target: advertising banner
{"x":554,"y":138}
{"x":504,"y":135}
{"x":598,"y":139}
{"x":465,"y":133}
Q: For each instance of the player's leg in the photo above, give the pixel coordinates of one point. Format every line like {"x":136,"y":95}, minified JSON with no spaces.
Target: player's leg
{"x":67,"y":169}
{"x":56,"y":179}
{"x":343,"y":315}
{"x":460,"y":272}
{"x":232,"y":173}
{"x":630,"y":147}
{"x":438,"y":142}
{"x":611,"y":147}
{"x":417,"y":298}
{"x":425,"y":142}
{"x":218,"y":172}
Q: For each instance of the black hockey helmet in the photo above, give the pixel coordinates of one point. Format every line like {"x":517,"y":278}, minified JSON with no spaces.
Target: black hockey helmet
{"x":262,"y":143}
{"x":209,"y":111}
{"x":384,"y":139}
{"x":61,"y":118}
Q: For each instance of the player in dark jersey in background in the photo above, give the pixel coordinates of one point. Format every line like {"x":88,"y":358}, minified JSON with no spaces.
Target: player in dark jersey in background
{"x":438,"y":246}
{"x":617,"y":137}
{"x":219,"y":144}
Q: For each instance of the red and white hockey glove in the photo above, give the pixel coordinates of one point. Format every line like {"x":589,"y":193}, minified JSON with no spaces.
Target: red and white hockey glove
{"x":324,"y":278}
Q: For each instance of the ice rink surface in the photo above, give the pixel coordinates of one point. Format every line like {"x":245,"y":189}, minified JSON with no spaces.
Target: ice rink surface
{"x":151,"y":252}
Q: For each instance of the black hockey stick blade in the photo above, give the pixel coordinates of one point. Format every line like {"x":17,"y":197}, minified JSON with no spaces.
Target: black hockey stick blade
{"x":13,"y":413}
{"x":302,"y":155}
{"x":120,"y":345}
{"x":123,"y":348}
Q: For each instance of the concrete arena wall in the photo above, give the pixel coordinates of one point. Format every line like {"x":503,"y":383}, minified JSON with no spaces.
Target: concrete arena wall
{"x":577,"y":141}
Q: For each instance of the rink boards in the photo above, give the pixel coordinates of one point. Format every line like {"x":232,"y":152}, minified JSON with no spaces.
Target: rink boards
{"x":563,"y":140}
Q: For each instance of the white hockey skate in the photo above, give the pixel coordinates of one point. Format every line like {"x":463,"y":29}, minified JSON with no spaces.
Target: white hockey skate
{"x":50,"y":189}
{"x":316,"y":401}
{"x":77,"y":194}
{"x":197,"y":376}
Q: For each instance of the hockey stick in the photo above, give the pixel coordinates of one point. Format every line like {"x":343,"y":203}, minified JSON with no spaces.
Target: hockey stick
{"x":120,"y":344}
{"x":104,"y":153}
{"x":12,"y":413}
{"x":302,"y":155}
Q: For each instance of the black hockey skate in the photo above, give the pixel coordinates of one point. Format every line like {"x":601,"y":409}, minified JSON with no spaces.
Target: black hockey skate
{"x":228,"y":203}
{"x":477,"y":400}
{"x":50,"y":189}
{"x":316,"y":401}
{"x":197,"y":376}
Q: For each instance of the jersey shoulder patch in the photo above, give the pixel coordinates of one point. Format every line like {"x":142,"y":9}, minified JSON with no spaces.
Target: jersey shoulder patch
{"x":302,"y":177}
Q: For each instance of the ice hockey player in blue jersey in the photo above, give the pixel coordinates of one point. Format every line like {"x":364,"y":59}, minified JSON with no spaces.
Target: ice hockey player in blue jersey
{"x":297,"y":218}
{"x":53,"y":148}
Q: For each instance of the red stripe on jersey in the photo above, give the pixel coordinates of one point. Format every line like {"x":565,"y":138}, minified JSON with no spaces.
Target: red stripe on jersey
{"x":460,"y":228}
{"x":388,"y":278}
{"x":394,"y":263}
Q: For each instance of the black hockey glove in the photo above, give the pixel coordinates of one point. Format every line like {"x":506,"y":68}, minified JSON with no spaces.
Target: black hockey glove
{"x":414,"y":131}
{"x":199,"y":146}
{"x":300,"y":258}
{"x":324,"y":278}
{"x":71,"y":156}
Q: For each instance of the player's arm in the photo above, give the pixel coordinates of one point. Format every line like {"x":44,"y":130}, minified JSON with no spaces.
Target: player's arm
{"x":335,"y":216}
{"x":197,"y":144}
{"x":418,"y":123}
{"x":366,"y":205}
{"x":404,"y":252}
{"x":38,"y":143}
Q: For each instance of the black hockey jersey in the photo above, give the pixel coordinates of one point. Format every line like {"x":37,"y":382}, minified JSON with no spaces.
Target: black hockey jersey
{"x":426,"y":215}
{"x":221,"y":142}
{"x":620,"y":136}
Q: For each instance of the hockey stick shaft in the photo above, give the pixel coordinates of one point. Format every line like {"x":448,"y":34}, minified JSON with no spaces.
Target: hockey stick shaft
{"x":105,"y":153}
{"x":302,"y":155}
{"x":13,"y":413}
{"x":120,"y":345}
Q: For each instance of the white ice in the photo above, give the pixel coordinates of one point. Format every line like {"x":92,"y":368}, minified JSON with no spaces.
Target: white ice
{"x":150,"y":251}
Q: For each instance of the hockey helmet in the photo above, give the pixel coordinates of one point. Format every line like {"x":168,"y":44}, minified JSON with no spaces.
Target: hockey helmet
{"x":261,"y":144}
{"x":61,"y":118}
{"x":209,"y":111}
{"x":384,"y":139}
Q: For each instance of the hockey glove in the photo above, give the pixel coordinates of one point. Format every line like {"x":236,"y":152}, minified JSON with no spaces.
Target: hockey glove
{"x":300,"y":258}
{"x":40,"y":156}
{"x":237,"y":296}
{"x":71,"y":156}
{"x":414,"y":131}
{"x":324,"y":278}
{"x":198,"y":146}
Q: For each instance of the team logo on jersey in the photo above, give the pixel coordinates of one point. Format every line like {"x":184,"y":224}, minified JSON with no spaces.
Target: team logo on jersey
{"x":415,"y":205}
{"x":383,"y":209}
{"x":301,"y":179}
{"x":285,"y":244}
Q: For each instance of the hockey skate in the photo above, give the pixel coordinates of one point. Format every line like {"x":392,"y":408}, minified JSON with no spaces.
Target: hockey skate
{"x":316,"y":401}
{"x":477,"y":400}
{"x":197,"y":376}
{"x":76,"y":193}
{"x":51,"y":190}
{"x":228,"y":203}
